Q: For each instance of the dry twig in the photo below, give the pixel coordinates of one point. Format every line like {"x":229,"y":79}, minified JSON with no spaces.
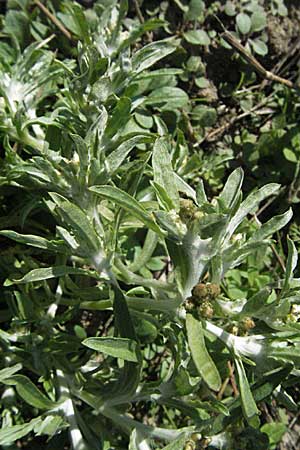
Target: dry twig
{"x":53,"y":19}
{"x":231,"y":40}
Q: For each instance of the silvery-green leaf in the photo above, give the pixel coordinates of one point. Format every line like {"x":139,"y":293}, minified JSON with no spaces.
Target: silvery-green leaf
{"x":290,"y":265}
{"x":29,"y":392}
{"x":119,"y":118}
{"x":190,"y":258}
{"x":178,"y":444}
{"x":50,"y":272}
{"x":79,"y":222}
{"x":231,"y":190}
{"x":118,"y":347}
{"x":116,"y":158}
{"x":150,"y":54}
{"x":203,"y":361}
{"x":250,"y":205}
{"x":7,"y":372}
{"x":248,"y":403}
{"x":269,"y":228}
{"x":11,"y":434}
{"x":127,"y":202}
{"x":35,"y":241}
{"x":163,"y":172}
{"x":182,"y":186}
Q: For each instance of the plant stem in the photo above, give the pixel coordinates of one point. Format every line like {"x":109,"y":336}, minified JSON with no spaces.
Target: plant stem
{"x":53,"y":19}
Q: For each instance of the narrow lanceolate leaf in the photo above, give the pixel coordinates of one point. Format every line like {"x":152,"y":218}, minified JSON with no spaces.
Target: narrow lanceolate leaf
{"x":231,"y":190}
{"x":8,"y":435}
{"x":163,"y":171}
{"x":9,"y":371}
{"x":118,"y":347}
{"x":29,"y":392}
{"x":116,"y":158}
{"x":127,"y":202}
{"x":273,"y":225}
{"x":149,"y":54}
{"x":119,"y":118}
{"x":35,"y":241}
{"x":130,"y":375}
{"x":248,"y":403}
{"x":250,"y":205}
{"x":50,"y":272}
{"x":290,"y":265}
{"x":78,"y":221}
{"x":178,"y":444}
{"x":203,"y":361}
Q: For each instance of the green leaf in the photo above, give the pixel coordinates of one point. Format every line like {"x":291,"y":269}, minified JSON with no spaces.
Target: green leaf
{"x":258,"y":21}
{"x":29,"y":392}
{"x":83,"y":154}
{"x":51,"y":425}
{"x":150,"y":54}
{"x":75,"y":20}
{"x":182,"y":186}
{"x":243,"y":22}
{"x":204,"y":115}
{"x":8,"y":435}
{"x":190,"y":258}
{"x":178,"y":444}
{"x":291,"y":265}
{"x":167,"y":98}
{"x":204,"y":363}
{"x":130,"y":375}
{"x":51,"y":272}
{"x":79,"y":222}
{"x":196,"y":8}
{"x":229,"y":8}
{"x":119,"y":118}
{"x":250,"y":205}
{"x":248,"y":403}
{"x":230,"y":193}
{"x":122,"y":316}
{"x":197,"y":37}
{"x":17,"y":25}
{"x":35,"y":241}
{"x":146,"y":252}
{"x":273,"y":225}
{"x":202,"y":82}
{"x":9,"y":371}
{"x":163,"y":172}
{"x":275,"y":431}
{"x":259,"y":46}
{"x":130,"y":204}
{"x":117,"y":157}
{"x":200,"y":193}
{"x":118,"y":347}
{"x":290,"y":155}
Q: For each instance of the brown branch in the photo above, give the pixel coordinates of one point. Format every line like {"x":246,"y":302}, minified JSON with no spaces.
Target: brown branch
{"x":232,"y":379}
{"x":53,"y":19}
{"x":212,"y":135}
{"x":222,"y":390}
{"x":138,"y":11}
{"x":142,"y":19}
{"x":231,"y":40}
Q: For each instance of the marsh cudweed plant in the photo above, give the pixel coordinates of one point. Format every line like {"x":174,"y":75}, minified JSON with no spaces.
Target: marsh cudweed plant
{"x":115,"y":315}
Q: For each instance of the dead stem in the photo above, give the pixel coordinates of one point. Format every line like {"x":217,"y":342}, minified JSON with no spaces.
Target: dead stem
{"x":53,"y":19}
{"x":231,"y":40}
{"x":232,"y":379}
